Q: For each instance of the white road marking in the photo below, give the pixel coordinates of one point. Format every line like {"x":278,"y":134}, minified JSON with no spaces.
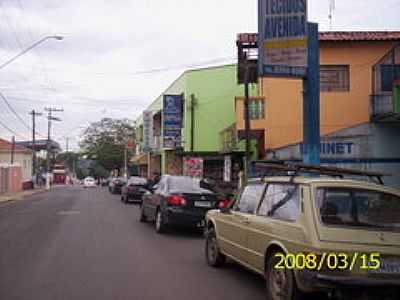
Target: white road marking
{"x":68,"y":212}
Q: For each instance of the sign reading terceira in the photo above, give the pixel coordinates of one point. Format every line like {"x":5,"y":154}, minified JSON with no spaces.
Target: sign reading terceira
{"x":283,"y":38}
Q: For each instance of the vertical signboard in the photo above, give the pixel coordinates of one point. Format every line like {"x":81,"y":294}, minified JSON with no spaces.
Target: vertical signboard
{"x":147,"y":130}
{"x":227,"y":168}
{"x":172,"y":121}
{"x":283,"y":38}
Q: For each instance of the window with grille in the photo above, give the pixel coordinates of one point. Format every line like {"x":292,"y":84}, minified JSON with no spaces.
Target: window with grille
{"x":256,"y":109}
{"x":335,"y":78}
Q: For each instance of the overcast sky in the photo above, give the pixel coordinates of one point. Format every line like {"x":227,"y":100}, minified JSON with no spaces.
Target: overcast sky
{"x":101,"y":67}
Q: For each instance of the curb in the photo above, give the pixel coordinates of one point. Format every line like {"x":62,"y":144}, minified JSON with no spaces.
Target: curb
{"x":20,"y":196}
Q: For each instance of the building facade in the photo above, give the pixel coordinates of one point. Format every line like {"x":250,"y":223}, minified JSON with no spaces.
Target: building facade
{"x":360,"y":88}
{"x":22,"y":158}
{"x":348,"y":60}
{"x":209,"y":144}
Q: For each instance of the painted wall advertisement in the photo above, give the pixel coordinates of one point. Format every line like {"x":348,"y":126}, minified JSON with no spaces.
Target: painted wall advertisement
{"x":193,"y":167}
{"x":283,"y":37}
{"x":147,"y":130}
{"x":172,"y":120}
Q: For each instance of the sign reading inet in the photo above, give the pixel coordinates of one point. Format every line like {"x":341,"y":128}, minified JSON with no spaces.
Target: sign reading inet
{"x":283,"y":30}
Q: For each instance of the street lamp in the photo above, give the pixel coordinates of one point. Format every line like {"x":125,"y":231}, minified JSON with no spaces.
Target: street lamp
{"x":56,"y":37}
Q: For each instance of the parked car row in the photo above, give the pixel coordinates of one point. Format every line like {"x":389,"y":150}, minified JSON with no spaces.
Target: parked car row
{"x":302,"y":234}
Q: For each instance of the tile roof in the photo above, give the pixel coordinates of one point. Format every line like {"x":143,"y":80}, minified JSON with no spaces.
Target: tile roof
{"x":342,"y":36}
{"x":6,"y":145}
{"x":337,"y":36}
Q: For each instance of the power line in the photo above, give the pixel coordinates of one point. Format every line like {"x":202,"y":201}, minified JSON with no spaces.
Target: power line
{"x":16,"y":114}
{"x":10,"y":130}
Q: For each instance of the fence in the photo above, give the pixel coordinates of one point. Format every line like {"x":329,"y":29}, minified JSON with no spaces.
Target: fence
{"x":10,"y":179}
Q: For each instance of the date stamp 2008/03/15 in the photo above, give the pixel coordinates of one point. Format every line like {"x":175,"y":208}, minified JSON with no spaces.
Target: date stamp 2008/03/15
{"x":328,"y":261}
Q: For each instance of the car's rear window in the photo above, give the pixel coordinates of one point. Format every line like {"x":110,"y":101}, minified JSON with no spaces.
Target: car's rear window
{"x":359,"y":208}
{"x":186,"y":185}
{"x":137,"y":181}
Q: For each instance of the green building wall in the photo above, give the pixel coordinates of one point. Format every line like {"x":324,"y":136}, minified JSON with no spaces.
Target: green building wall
{"x":214,"y":90}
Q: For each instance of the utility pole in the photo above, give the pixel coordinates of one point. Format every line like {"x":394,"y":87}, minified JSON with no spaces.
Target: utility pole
{"x":33,"y":113}
{"x":50,"y":118}
{"x":66,"y":144}
{"x":311,"y":103}
{"x":126,"y":162}
{"x":192,"y":121}
{"x":246,"y":115}
{"x":12,"y":150}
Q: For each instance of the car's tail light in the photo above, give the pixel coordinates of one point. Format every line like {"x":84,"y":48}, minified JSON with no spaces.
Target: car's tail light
{"x":176,"y":200}
{"x":223,"y":203}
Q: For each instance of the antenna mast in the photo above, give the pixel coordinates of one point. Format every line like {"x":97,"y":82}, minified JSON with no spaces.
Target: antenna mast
{"x":332,"y":6}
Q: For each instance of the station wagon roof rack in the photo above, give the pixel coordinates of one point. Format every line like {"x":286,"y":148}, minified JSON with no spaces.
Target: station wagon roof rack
{"x":275,"y":167}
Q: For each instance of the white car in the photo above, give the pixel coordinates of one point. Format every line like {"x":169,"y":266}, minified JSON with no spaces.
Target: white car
{"x":89,"y":182}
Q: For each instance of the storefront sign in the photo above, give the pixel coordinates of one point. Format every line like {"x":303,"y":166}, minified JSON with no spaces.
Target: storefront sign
{"x":172,"y":121}
{"x":147,"y":130}
{"x":227,"y":168}
{"x":335,"y":148}
{"x":193,"y":167}
{"x":283,"y":37}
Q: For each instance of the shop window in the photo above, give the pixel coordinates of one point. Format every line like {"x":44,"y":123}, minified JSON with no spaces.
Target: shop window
{"x":256,"y":109}
{"x":335,"y":78}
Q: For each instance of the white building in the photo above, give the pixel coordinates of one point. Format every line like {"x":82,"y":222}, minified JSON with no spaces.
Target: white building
{"x":22,"y":157}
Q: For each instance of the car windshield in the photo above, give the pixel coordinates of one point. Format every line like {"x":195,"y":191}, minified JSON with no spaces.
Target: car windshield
{"x":137,"y":181}
{"x":359,"y":208}
{"x":186,"y":185}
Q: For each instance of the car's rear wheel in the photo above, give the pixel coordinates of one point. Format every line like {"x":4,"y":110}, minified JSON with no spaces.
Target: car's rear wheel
{"x":280,"y":283}
{"x":160,"y":226}
{"x":213,"y":256}
{"x":143,"y":217}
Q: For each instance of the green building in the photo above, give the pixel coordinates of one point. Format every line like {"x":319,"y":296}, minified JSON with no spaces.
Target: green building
{"x":209,"y":135}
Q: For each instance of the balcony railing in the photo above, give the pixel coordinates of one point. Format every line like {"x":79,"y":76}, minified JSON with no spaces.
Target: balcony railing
{"x":382,"y":104}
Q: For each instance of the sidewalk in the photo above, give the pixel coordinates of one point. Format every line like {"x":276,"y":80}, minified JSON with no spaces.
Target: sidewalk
{"x":19,"y":195}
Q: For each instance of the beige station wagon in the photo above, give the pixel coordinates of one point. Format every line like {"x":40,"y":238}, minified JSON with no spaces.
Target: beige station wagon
{"x":306,"y":234}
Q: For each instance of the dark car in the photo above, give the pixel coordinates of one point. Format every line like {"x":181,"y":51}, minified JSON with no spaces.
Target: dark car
{"x":178,"y":200}
{"x":135,"y":188}
{"x":116,"y":184}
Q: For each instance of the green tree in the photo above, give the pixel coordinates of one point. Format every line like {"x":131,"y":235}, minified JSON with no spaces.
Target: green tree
{"x":69,"y":159}
{"x":105,"y":142}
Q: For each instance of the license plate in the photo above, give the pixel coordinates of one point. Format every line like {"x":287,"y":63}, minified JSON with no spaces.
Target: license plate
{"x":388,"y":267}
{"x":202,"y":204}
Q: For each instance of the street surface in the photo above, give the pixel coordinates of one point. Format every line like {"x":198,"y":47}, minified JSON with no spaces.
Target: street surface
{"x":73,"y":243}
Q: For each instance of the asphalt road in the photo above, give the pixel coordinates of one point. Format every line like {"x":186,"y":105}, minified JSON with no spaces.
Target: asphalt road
{"x":76,"y":244}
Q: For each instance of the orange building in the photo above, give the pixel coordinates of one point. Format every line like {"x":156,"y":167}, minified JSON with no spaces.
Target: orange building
{"x":348,"y":88}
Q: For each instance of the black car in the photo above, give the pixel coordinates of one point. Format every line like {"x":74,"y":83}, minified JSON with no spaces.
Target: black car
{"x":135,"y":188}
{"x":178,"y":200}
{"x":116,"y":184}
